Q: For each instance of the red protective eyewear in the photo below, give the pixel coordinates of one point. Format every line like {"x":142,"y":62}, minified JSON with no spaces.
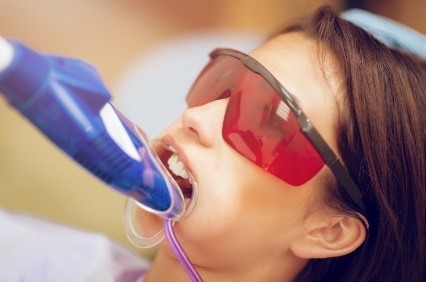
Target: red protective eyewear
{"x":264,"y":123}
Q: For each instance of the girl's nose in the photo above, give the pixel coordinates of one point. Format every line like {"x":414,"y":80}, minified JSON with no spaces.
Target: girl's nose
{"x":206,"y":121}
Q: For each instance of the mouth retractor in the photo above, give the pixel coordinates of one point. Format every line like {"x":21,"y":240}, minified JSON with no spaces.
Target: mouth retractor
{"x":136,"y":232}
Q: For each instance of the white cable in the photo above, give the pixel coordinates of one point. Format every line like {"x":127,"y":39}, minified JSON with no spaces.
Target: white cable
{"x":6,"y":54}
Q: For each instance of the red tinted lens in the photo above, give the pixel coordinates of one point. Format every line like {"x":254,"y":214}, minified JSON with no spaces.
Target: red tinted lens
{"x":216,"y":81}
{"x":257,"y":123}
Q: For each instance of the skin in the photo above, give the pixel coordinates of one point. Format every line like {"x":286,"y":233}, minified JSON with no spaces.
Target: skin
{"x":248,"y":225}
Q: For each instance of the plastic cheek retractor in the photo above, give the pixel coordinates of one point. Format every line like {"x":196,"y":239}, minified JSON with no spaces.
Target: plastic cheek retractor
{"x":136,"y":226}
{"x":138,"y":223}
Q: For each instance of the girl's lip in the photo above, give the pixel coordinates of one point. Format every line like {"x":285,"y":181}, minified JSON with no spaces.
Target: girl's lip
{"x":190,"y":203}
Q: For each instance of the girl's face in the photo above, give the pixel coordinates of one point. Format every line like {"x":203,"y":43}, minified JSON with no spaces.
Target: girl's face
{"x":245,"y":215}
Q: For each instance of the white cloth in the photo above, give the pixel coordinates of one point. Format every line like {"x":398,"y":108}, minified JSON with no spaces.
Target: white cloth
{"x":392,"y":33}
{"x":33,"y":249}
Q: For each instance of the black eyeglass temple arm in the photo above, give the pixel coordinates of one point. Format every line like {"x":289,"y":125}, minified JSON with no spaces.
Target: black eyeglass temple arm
{"x":331,"y":160}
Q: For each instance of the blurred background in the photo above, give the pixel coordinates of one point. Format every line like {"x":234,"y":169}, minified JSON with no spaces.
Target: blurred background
{"x":148,"y":52}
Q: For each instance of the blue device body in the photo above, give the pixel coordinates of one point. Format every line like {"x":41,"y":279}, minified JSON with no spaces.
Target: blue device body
{"x":65,"y":99}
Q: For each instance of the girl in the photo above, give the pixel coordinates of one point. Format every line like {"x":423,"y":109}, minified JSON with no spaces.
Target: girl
{"x":309,"y":158}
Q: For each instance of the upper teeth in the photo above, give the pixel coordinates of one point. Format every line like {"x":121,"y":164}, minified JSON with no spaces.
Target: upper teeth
{"x":177,"y":167}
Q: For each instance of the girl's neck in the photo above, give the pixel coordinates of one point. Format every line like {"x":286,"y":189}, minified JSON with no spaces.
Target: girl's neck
{"x":168,"y":268}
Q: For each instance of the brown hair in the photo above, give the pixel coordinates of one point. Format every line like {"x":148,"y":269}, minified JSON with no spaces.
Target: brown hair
{"x":381,"y":138}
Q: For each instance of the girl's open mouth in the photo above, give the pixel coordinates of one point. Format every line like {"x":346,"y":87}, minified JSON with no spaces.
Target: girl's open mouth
{"x":180,"y":174}
{"x":176,"y":168}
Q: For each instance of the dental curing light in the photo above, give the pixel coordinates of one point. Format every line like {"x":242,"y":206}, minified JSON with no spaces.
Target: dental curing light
{"x":66,"y":99}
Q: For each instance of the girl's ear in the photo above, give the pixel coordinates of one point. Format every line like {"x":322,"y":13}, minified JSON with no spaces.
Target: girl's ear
{"x":330,"y":237}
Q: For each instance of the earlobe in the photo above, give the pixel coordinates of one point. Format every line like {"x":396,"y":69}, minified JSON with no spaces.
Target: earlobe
{"x":336,"y":236}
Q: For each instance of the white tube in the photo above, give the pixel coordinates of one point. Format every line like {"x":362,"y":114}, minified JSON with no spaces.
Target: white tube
{"x":6,"y":54}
